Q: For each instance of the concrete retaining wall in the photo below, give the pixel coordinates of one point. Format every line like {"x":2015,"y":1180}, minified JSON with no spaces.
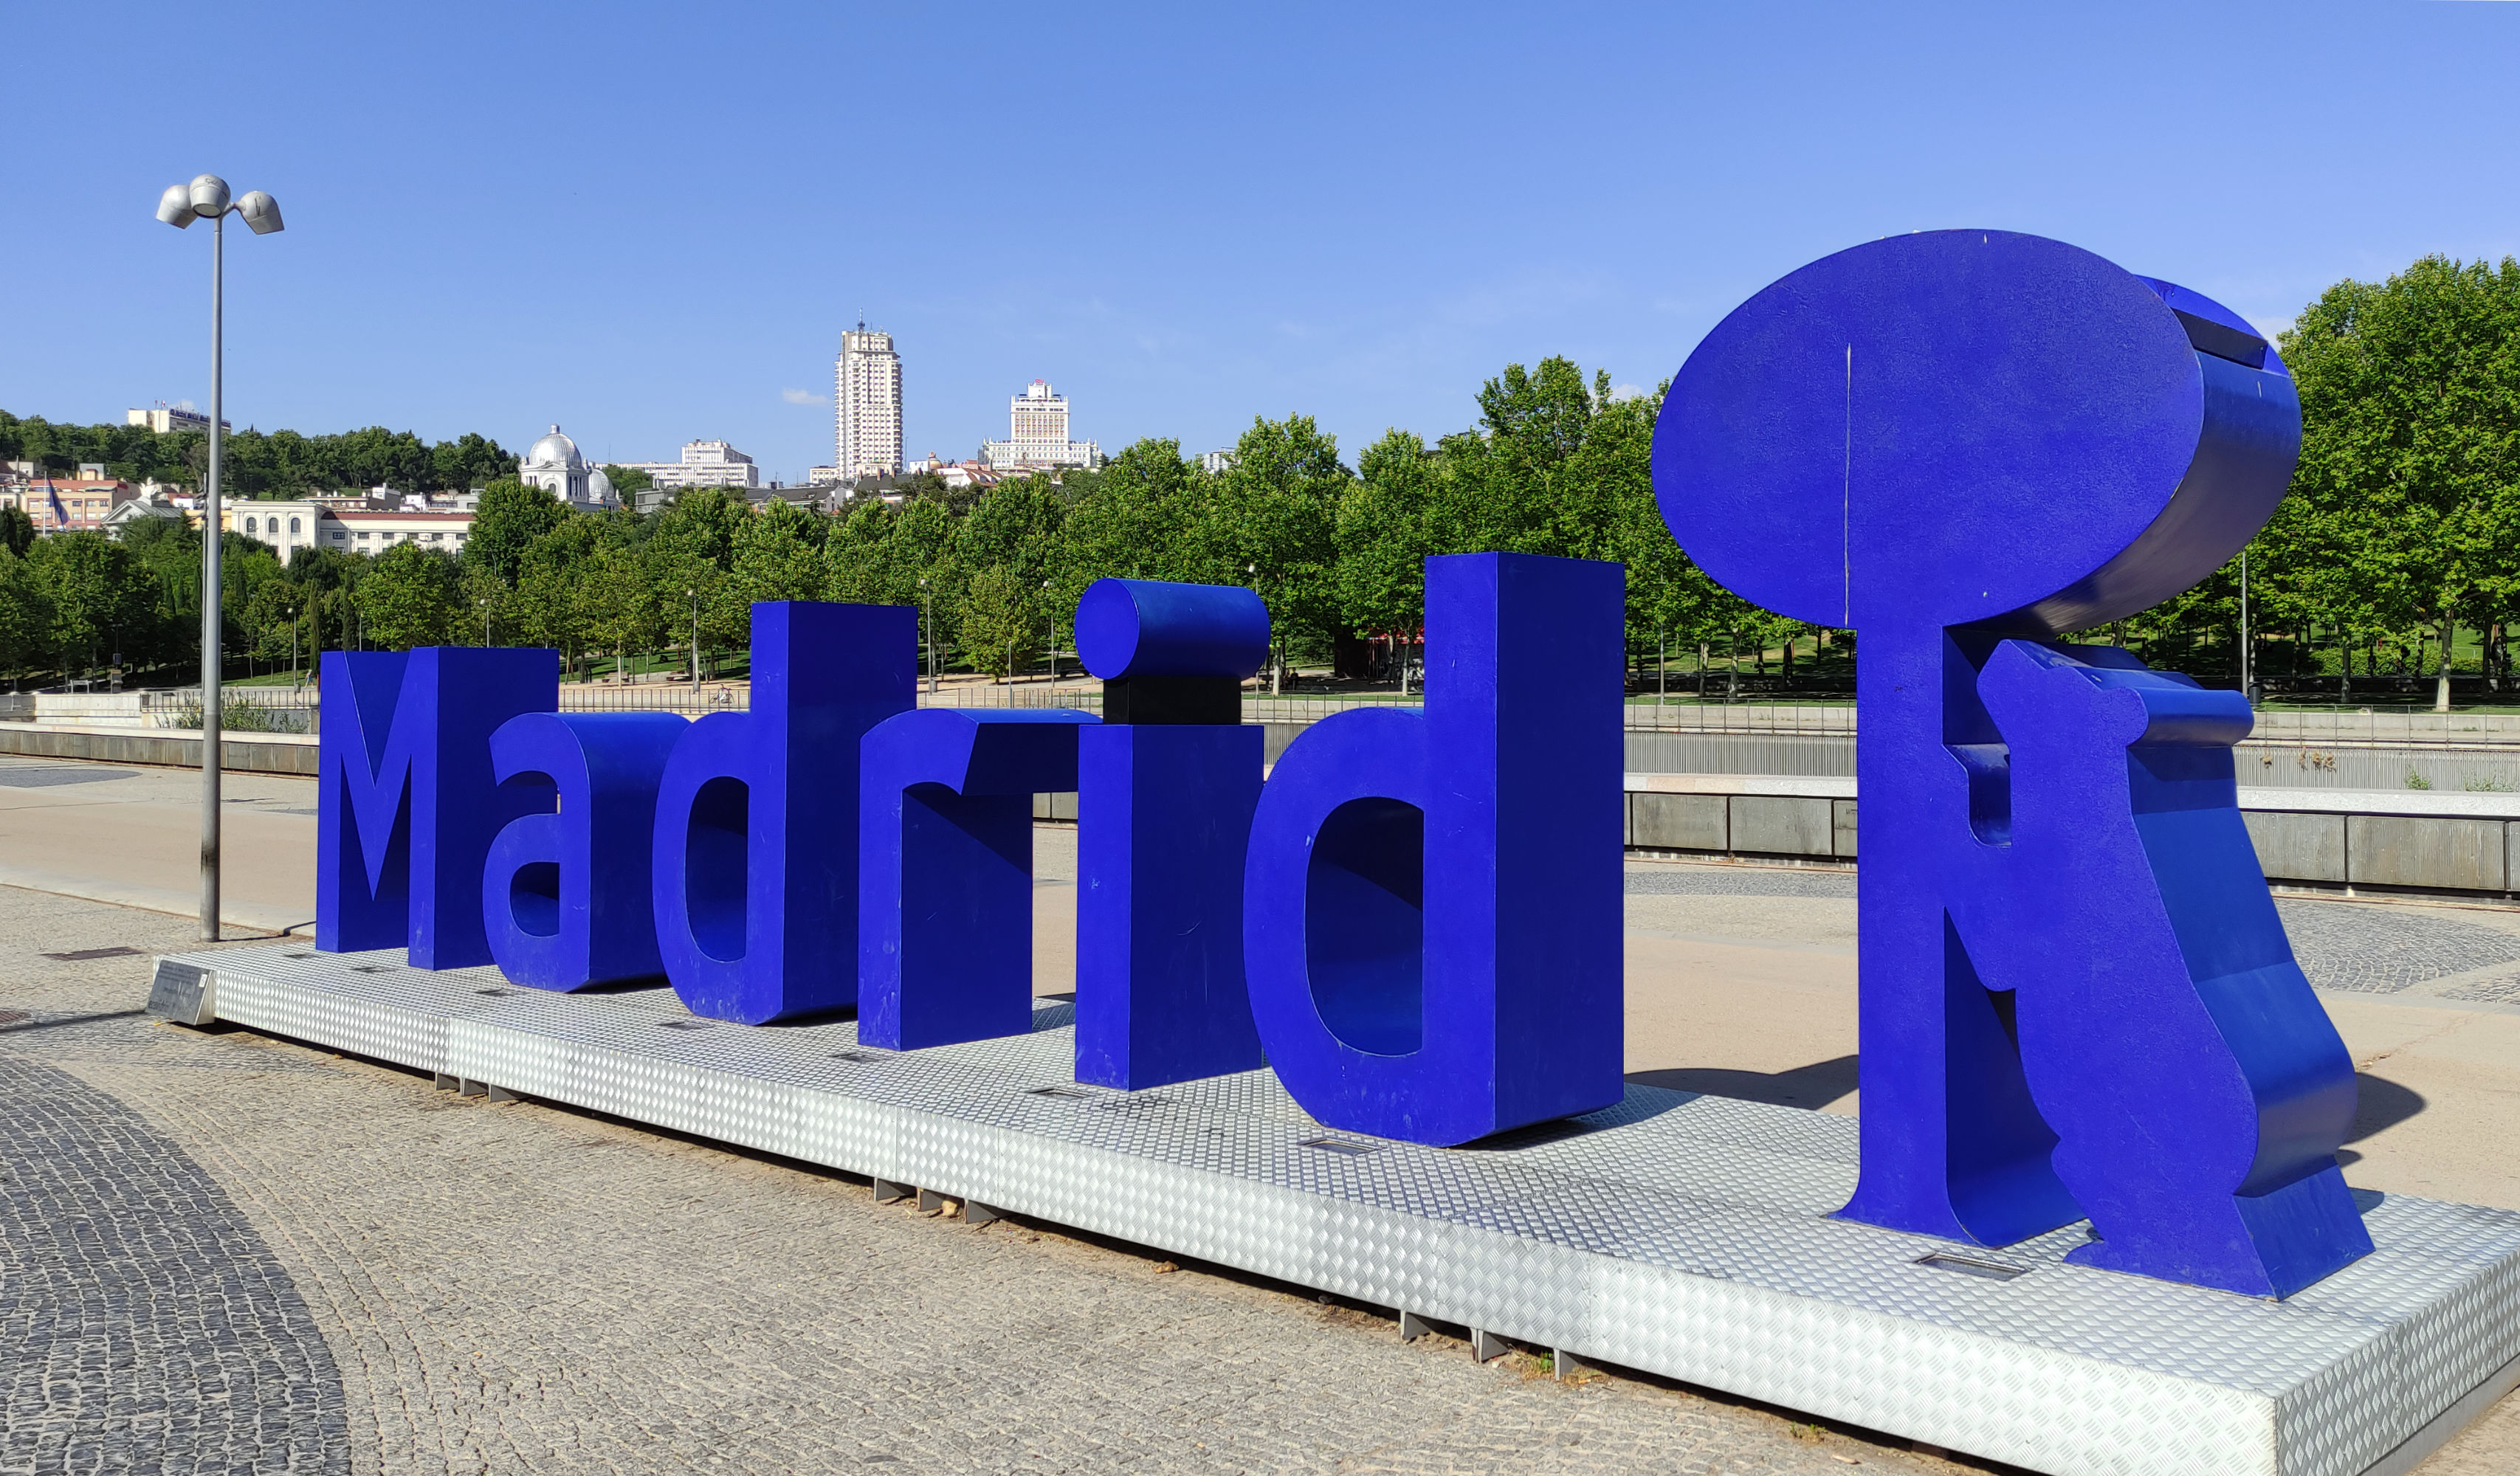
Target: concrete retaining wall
{"x":2275,"y":764}
{"x":2466,"y":844}
{"x":255,"y":753}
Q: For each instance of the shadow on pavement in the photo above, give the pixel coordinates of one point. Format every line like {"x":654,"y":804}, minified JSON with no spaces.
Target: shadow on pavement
{"x":1814,"y":1086}
{"x":2383,"y":1104}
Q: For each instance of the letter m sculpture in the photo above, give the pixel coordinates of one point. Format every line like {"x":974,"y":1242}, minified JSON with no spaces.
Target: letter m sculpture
{"x":408,"y":804}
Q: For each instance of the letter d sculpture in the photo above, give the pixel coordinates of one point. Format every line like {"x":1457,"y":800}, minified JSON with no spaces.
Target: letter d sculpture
{"x":1432,"y":907}
{"x":756,"y":867}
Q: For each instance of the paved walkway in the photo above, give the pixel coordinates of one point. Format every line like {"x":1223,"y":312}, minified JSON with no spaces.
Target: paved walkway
{"x":220,"y":1251}
{"x":225,"y":1252}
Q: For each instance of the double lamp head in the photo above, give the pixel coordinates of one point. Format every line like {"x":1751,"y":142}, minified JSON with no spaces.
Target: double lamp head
{"x":207,"y":198}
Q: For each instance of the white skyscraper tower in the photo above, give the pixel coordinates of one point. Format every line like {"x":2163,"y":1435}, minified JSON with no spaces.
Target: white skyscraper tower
{"x":1036,"y":434}
{"x":866,"y":405}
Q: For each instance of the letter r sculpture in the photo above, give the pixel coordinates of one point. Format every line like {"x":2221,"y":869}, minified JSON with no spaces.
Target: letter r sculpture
{"x":2077,"y":999}
{"x":945,"y":870}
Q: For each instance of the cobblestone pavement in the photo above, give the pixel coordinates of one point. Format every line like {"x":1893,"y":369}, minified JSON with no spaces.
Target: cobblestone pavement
{"x":2370,"y":948}
{"x":150,"y":1326}
{"x":2351,"y":946}
{"x":511,"y":1287}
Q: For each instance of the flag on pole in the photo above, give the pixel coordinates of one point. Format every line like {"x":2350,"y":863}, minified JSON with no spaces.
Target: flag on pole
{"x":60,"y":517}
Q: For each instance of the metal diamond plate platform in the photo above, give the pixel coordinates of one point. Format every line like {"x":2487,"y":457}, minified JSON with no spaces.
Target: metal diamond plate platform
{"x":1684,"y":1235}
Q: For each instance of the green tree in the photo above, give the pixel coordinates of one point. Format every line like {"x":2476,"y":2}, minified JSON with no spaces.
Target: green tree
{"x":701,"y":522}
{"x":1003,"y":621}
{"x":16,"y":530}
{"x":260,"y":464}
{"x":1270,"y":522}
{"x":511,"y":516}
{"x":1131,"y":523}
{"x":547,"y":609}
{"x":1015,"y":527}
{"x":414,"y":596}
{"x":878,"y":555}
{"x":779,"y":554}
{"x":627,"y":483}
{"x":467,"y":461}
{"x":2404,"y":510}
{"x":100,"y":596}
{"x":618,"y":599}
{"x":25,"y":614}
{"x":1384,"y":532}
{"x":277,"y":608}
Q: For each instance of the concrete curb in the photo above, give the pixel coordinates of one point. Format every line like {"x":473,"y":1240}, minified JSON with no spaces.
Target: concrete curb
{"x":244,"y":917}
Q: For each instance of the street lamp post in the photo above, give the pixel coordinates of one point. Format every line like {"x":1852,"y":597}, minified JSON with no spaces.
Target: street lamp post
{"x":927,"y":629}
{"x":293,"y":683}
{"x":484,"y":602}
{"x":179,"y":206}
{"x":693,"y":594}
{"x":2248,"y":667}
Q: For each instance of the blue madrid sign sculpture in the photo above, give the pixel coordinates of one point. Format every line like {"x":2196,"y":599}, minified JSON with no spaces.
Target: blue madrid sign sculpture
{"x":2077,"y":1000}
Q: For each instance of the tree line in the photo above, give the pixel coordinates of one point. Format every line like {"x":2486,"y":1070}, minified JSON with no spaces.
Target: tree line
{"x":260,"y":464}
{"x":2396,"y":555}
{"x":1556,"y":466}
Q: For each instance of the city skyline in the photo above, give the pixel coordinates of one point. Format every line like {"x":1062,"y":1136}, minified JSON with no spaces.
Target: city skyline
{"x":1346,"y":300}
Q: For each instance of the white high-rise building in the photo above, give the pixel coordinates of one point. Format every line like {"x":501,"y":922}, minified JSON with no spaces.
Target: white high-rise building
{"x":1037,"y":433}
{"x":705,"y":463}
{"x":866,"y":405}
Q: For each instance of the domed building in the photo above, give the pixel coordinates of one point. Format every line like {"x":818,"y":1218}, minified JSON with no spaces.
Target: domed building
{"x":554,"y":465}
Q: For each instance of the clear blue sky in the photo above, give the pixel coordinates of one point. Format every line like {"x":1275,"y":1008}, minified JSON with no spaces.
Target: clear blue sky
{"x":650,"y":223}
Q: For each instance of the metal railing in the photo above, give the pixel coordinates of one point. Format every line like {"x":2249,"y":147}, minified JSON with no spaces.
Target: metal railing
{"x":1819,"y":719}
{"x":241,"y":709}
{"x":659,"y":697}
{"x":2383,"y":725}
{"x":295,"y":709}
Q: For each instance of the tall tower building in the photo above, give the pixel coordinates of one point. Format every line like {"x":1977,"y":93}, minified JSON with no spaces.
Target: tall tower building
{"x":866,"y":405}
{"x":1036,"y":434}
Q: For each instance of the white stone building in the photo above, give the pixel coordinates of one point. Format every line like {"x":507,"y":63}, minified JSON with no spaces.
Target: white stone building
{"x":373,"y":532}
{"x":1036,"y":434}
{"x":167,"y":418}
{"x":286,"y":526}
{"x":866,"y":405}
{"x":705,"y":463}
{"x":554,"y":465}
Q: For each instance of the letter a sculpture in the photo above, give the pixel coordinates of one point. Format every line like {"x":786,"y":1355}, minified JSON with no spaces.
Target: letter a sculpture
{"x":2077,"y":997}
